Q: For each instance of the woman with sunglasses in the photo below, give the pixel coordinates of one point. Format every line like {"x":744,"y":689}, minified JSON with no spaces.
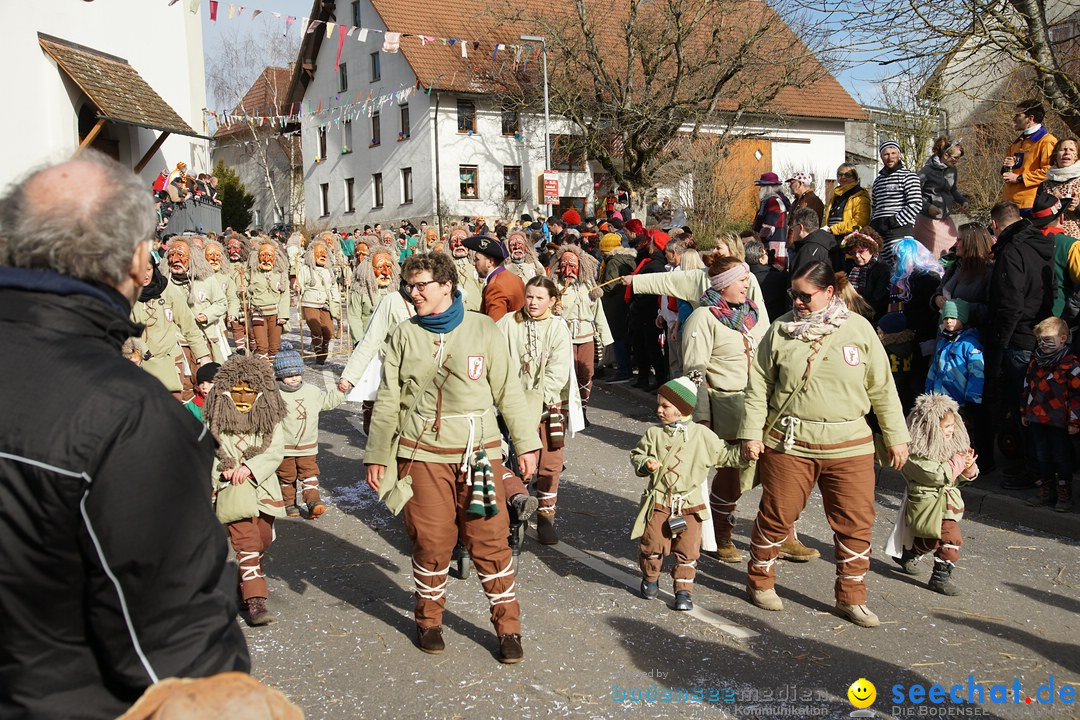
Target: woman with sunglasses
{"x":719,"y":341}
{"x":849,"y":208}
{"x":817,"y":373}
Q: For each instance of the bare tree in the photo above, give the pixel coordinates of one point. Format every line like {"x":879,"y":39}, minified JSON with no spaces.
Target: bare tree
{"x":257,"y":65}
{"x":976,"y":45}
{"x":628,"y":78}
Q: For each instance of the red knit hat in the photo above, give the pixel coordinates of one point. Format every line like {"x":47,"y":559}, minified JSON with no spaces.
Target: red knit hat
{"x":660,"y":239}
{"x":571,"y":217}
{"x":635,"y":227}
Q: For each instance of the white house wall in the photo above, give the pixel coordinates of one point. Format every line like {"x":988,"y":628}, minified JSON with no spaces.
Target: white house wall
{"x":42,"y":122}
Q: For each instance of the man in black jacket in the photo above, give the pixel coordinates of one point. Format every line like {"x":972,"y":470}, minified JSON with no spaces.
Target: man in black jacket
{"x":1021,"y":295}
{"x":811,"y":242}
{"x":114,"y":572}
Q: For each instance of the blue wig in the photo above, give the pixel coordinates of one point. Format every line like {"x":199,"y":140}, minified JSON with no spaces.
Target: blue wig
{"x":912,"y":257}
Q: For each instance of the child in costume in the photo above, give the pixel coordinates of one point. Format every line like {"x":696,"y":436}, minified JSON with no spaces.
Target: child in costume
{"x":676,"y":457}
{"x":303,"y":403}
{"x":204,"y":382}
{"x":1051,"y":411}
{"x":940,"y":461}
{"x":244,"y":412}
{"x":540,"y":352}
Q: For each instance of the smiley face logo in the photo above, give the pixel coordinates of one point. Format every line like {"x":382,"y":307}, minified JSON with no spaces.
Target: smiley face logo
{"x":862,"y":693}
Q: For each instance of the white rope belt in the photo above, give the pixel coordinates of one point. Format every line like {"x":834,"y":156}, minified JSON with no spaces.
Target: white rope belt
{"x":864,"y":555}
{"x":470,"y":445}
{"x":715,"y":500}
{"x":430,"y":592}
{"x":764,"y":564}
{"x":507,"y":596}
{"x":790,"y":423}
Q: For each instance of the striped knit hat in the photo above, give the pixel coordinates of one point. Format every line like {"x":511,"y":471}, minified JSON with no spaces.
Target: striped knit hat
{"x":680,"y":392}
{"x":288,"y":362}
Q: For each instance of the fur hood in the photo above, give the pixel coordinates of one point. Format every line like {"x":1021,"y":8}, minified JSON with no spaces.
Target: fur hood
{"x":589,"y":267}
{"x":309,"y":255}
{"x":226,"y":264}
{"x":924,"y":425}
{"x":198,"y":268}
{"x":628,"y":252}
{"x":220,"y":412}
{"x":281,"y":261}
{"x":364,"y":277}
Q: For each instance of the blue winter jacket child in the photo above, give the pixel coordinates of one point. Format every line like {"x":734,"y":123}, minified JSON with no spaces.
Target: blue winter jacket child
{"x":958,"y":367}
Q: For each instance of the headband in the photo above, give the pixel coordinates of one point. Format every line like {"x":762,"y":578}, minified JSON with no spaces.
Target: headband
{"x":729,"y":277}
{"x":857,"y":234}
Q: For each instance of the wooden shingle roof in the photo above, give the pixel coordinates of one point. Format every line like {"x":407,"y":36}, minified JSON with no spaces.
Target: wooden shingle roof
{"x":116,"y":89}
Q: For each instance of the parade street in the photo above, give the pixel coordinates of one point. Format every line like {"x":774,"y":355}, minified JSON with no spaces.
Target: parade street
{"x":344,"y":645}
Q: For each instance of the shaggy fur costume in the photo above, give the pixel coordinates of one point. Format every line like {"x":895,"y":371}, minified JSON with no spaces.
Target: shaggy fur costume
{"x":223,"y":417}
{"x":226,"y":264}
{"x":364,"y":278}
{"x":924,"y":425}
{"x":281,"y":260}
{"x":198,"y":268}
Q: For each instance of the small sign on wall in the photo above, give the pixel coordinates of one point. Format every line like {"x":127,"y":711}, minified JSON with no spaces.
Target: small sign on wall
{"x":551,"y":187}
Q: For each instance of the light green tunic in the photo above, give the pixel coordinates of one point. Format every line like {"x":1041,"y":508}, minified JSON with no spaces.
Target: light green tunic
{"x":165,"y":318}
{"x":584,"y":314}
{"x":540,"y":353}
{"x":267,"y":496}
{"x":300,"y":427}
{"x":685,"y":459}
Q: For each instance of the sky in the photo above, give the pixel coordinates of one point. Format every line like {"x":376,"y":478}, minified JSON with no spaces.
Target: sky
{"x":860,"y":80}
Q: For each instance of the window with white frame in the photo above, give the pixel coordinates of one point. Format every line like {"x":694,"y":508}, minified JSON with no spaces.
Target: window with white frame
{"x":406,"y":186}
{"x":376,"y":70}
{"x":346,"y":137}
{"x":324,"y":199}
{"x":350,"y":203}
{"x":343,"y":78}
{"x":376,"y":129}
{"x":376,"y":190}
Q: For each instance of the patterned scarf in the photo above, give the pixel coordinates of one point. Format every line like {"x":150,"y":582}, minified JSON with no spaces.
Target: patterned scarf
{"x":815,"y":325}
{"x":482,"y":501}
{"x":1051,"y":359}
{"x":740,"y":318}
{"x":858,"y":276}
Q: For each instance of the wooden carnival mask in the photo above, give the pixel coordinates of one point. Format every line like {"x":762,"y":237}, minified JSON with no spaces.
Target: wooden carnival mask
{"x":235,"y":248}
{"x":457,"y":246}
{"x":212,"y":253}
{"x":517,"y":248}
{"x":267,"y":255}
{"x":384,"y":269}
{"x":178,"y":257}
{"x":362,"y":251}
{"x":243,"y":396}
{"x":569,"y":266}
{"x":320,"y":253}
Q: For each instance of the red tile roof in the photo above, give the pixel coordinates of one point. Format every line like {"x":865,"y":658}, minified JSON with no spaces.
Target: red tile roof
{"x":116,"y":89}
{"x":268,"y":96}
{"x":442,"y":67}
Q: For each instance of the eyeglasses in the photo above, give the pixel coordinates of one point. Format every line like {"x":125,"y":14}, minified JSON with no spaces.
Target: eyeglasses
{"x":802,"y":297}
{"x":421,"y":286}
{"x":845,"y":174}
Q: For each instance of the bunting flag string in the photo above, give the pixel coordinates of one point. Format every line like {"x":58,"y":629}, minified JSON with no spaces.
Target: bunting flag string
{"x":391,"y":40}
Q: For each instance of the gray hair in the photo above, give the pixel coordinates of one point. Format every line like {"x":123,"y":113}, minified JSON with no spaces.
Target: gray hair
{"x":808,"y":218}
{"x":676,"y":246}
{"x":755,"y":251}
{"x":92,"y":239}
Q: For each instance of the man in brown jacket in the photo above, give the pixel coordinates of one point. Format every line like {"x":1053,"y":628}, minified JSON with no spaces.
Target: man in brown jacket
{"x":504,"y":292}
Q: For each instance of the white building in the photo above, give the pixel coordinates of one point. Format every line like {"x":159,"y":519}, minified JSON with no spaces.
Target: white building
{"x":124,"y":77}
{"x":412,"y":135}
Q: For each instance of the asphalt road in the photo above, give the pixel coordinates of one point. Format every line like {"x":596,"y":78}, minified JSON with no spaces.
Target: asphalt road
{"x":343,"y":644}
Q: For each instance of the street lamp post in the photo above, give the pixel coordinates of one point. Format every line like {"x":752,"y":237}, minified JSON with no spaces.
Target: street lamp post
{"x":547,"y":111}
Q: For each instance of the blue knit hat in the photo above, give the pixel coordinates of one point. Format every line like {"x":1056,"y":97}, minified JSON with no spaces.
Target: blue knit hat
{"x":288,"y":362}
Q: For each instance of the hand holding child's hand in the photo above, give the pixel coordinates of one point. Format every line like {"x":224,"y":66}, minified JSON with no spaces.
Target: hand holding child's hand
{"x":752,"y":449}
{"x":652,"y":464}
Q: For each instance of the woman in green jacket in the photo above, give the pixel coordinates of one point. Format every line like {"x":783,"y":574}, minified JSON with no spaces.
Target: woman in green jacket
{"x":818,"y":372}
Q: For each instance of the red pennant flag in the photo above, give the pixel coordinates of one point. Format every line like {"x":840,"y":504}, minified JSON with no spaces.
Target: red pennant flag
{"x":340,"y":45}
{"x":213,"y":10}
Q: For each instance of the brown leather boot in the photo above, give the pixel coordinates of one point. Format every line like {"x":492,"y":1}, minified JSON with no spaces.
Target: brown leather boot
{"x":510,"y":650}
{"x":430,"y":639}
{"x":727,"y":552}
{"x":1064,"y":496}
{"x":1045,"y":495}
{"x":545,"y":529}
{"x":795,"y":551}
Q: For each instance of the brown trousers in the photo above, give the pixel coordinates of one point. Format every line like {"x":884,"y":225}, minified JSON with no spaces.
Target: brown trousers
{"x":302,"y":468}
{"x":585,"y":368}
{"x":251,"y":538}
{"x":321,"y":326}
{"x":267,"y":334}
{"x":239,"y":335}
{"x":434,"y":519}
{"x":187,"y":381}
{"x":725,"y":493}
{"x":657,"y":543}
{"x":549,"y":468}
{"x":847,"y":492}
{"x":947,"y":548}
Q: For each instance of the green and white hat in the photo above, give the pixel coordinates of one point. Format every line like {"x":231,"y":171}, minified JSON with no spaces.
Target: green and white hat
{"x":680,"y":392}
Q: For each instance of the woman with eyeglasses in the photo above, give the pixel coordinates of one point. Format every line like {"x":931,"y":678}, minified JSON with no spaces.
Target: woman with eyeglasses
{"x":719,"y":341}
{"x":818,"y":371}
{"x":934,"y":227}
{"x":849,"y":208}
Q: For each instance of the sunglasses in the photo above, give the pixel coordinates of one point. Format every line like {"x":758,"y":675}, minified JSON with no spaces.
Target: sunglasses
{"x":802,"y":297}
{"x":845,"y":174}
